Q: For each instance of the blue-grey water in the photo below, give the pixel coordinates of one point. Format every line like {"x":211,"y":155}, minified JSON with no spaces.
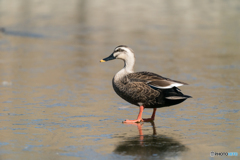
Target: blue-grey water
{"x":57,"y":101}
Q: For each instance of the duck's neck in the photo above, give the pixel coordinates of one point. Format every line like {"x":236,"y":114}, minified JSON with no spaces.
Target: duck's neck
{"x":128,"y":68}
{"x":129,"y":64}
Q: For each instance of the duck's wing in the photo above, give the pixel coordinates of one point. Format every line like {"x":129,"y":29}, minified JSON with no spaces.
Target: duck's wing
{"x":154,"y":80}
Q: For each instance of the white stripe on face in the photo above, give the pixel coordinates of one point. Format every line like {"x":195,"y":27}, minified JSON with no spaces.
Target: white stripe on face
{"x":123,"y":48}
{"x":116,"y":49}
{"x":126,"y":49}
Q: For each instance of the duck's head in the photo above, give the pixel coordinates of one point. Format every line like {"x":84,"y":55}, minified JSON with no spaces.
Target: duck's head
{"x":121,"y":52}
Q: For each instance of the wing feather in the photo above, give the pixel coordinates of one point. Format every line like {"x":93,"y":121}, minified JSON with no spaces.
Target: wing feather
{"x":154,"y":80}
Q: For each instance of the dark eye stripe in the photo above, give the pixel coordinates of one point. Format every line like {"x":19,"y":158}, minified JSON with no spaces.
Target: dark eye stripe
{"x":120,"y":50}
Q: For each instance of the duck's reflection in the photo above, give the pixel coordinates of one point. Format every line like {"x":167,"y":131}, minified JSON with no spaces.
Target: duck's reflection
{"x":150,"y":146}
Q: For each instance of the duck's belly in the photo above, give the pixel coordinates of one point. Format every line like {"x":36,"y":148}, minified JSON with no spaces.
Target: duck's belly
{"x":138,"y":96}
{"x":126,"y":97}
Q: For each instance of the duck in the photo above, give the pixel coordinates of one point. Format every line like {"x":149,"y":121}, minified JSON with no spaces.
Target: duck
{"x":143,"y":89}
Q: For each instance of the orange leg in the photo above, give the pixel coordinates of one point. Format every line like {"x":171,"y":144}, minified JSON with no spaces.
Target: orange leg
{"x":139,"y":118}
{"x":152,"y":117}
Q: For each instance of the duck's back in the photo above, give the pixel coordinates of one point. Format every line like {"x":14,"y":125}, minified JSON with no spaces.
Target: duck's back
{"x":148,"y":89}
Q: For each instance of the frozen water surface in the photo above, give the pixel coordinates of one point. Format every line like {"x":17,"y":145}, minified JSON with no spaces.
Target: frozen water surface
{"x":57,"y":101}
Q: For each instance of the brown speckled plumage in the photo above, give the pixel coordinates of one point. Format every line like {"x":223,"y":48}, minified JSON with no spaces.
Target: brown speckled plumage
{"x":144,"y":89}
{"x":135,"y":89}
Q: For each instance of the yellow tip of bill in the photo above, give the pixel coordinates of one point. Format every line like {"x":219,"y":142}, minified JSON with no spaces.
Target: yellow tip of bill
{"x":102,"y":60}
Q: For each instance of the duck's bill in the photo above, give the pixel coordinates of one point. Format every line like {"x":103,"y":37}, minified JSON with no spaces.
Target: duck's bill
{"x":102,"y":60}
{"x":111,"y":57}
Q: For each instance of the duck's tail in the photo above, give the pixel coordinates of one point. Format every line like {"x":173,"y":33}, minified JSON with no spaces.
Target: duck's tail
{"x":174,"y":96}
